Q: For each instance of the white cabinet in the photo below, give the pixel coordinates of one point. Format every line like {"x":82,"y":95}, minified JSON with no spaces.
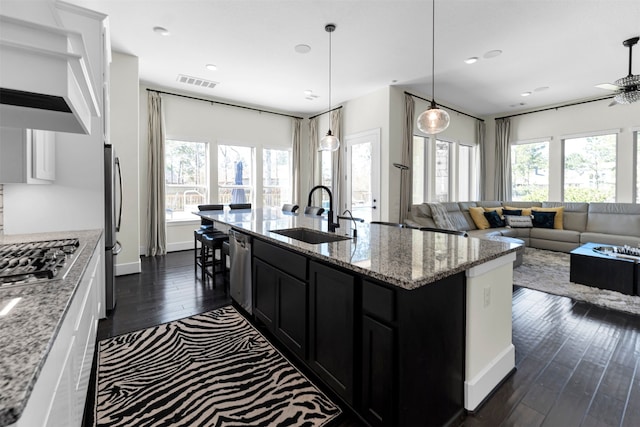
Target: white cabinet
{"x":27,"y":156}
{"x":59,"y":395}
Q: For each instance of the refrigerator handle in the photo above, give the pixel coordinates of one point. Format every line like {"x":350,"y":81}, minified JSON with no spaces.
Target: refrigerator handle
{"x":120,"y":185}
{"x":117,"y":248}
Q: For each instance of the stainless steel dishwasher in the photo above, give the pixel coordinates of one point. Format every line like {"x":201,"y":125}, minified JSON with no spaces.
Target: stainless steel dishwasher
{"x":240,"y":269}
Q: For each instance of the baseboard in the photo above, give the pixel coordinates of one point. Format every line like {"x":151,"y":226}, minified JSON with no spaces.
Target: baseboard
{"x":172,"y":247}
{"x":479,"y":387}
{"x":128,"y":268}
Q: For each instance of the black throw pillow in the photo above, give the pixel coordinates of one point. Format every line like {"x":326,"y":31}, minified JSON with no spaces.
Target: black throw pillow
{"x":516,"y":212}
{"x":494,"y":219}
{"x":543,"y":219}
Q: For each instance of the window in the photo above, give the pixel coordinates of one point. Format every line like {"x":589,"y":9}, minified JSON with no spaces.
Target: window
{"x":450,"y":166}
{"x":443,"y":175}
{"x":590,"y":169}
{"x":235,"y":174}
{"x":276,"y":171}
{"x":326,"y":170}
{"x":186,"y":178}
{"x":466,"y":179}
{"x":530,"y":171}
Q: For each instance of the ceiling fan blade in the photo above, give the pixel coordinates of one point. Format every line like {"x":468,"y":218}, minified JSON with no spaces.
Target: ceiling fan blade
{"x":609,"y":86}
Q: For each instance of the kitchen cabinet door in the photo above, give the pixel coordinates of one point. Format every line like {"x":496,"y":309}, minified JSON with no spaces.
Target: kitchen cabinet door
{"x":27,"y":156}
{"x":331,"y":327}
{"x":265,"y":283}
{"x":291,"y":307}
{"x":377,"y":372}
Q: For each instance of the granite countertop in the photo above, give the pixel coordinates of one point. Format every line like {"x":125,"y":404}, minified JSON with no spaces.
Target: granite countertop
{"x":404,"y":257}
{"x":28,"y":331}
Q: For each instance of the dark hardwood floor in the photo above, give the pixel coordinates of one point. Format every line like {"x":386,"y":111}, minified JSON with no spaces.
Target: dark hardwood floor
{"x":577,"y":364}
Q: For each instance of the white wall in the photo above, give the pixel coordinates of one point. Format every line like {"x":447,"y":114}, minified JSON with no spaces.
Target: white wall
{"x":193,"y":120}
{"x":575,"y":120}
{"x":124,"y":138}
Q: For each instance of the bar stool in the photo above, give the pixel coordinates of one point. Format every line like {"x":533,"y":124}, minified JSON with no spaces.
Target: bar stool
{"x":212,"y":242}
{"x":206,"y":227}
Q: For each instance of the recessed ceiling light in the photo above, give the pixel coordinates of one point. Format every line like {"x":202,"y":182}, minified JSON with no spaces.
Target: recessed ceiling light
{"x":525,"y":94}
{"x":162,"y":31}
{"x":308,"y":92}
{"x":211,"y":67}
{"x":492,"y":54}
{"x":471,"y":60}
{"x":302,"y":48}
{"x":540,"y":89}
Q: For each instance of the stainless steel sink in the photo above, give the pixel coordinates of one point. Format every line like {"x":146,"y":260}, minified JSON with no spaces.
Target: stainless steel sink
{"x":308,"y":235}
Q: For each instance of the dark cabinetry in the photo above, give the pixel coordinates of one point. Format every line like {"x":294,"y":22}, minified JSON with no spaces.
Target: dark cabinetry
{"x":395,"y":356}
{"x":331,"y":327}
{"x":281,"y":298}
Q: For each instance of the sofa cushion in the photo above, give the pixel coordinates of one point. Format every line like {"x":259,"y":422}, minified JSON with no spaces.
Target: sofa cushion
{"x":614,"y":218}
{"x":557,"y":221}
{"x":575,"y":214}
{"x":518,"y":221}
{"x":570,"y":236}
{"x":523,"y":211}
{"x":495,"y":221}
{"x":609,"y":239}
{"x":543,"y":219}
{"x":477,"y":214}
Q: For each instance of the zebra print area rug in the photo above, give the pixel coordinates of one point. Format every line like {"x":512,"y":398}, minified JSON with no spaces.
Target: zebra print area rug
{"x":212,"y":369}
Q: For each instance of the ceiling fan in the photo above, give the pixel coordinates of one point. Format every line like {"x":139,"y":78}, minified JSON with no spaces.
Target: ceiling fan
{"x":627,"y":88}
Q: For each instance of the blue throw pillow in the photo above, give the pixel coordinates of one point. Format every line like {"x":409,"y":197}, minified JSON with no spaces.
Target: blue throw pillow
{"x":516,"y":212}
{"x":543,"y":219}
{"x":494,"y":219}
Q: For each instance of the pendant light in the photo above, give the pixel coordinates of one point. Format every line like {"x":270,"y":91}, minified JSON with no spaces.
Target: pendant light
{"x":434,"y":120}
{"x":330,"y":142}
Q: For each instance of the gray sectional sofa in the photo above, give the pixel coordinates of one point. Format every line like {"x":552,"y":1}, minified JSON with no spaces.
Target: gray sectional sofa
{"x":609,"y":223}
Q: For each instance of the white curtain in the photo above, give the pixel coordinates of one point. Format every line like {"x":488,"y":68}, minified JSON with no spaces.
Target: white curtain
{"x":335,"y":124}
{"x":482,"y":149}
{"x":503,"y":160}
{"x":406,"y":180}
{"x":314,"y":158}
{"x":156,"y":233}
{"x":295,"y":143}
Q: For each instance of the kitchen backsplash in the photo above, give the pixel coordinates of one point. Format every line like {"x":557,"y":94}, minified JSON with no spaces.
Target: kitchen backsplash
{"x":1,"y":209}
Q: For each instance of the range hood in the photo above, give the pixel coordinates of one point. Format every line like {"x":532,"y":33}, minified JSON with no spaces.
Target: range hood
{"x":44,"y":78}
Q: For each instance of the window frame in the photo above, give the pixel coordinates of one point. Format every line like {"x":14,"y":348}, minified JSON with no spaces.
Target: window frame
{"x":289,"y":198}
{"x":563,"y":141}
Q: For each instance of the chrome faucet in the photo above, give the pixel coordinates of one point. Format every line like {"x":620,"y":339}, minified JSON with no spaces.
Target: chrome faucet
{"x":332,"y":225}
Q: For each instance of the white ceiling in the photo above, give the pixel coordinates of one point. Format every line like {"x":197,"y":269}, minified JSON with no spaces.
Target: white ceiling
{"x":566,"y":45}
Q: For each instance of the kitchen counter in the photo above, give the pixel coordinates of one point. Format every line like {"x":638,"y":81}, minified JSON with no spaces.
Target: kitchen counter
{"x":29,"y":330}
{"x":404,"y":257}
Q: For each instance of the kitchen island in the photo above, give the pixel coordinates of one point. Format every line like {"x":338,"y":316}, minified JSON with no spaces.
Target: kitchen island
{"x":48,"y":337}
{"x":404,"y":326}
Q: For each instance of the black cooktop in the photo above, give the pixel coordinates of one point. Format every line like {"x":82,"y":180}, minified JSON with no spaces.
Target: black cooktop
{"x":35,"y":262}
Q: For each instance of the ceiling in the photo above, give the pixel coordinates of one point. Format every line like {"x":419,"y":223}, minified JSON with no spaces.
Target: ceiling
{"x":566,"y":46}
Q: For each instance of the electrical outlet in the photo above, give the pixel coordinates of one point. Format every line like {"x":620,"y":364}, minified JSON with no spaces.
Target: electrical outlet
{"x":487,"y":297}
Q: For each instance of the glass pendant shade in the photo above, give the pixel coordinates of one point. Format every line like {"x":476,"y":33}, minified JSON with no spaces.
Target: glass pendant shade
{"x":329,"y":142}
{"x":434,"y":120}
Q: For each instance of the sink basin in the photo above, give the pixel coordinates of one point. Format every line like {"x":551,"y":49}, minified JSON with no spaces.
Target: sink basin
{"x":308,"y":235}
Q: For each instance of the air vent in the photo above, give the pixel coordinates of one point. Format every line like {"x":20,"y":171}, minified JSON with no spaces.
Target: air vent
{"x":196,"y":81}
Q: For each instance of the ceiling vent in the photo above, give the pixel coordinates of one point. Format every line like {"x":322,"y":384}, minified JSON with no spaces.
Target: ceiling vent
{"x":196,"y":81}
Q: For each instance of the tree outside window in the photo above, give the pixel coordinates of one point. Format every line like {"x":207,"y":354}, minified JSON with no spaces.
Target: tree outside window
{"x":590,"y":169}
{"x":530,"y":171}
{"x":186,"y":178}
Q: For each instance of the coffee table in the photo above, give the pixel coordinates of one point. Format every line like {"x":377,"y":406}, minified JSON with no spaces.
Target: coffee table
{"x":593,"y":268}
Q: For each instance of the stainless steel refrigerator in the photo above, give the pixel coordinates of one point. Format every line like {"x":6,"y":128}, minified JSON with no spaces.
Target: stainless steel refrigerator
{"x":112,"y":218}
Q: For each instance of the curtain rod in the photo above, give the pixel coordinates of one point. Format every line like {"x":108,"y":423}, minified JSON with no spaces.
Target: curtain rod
{"x":222,"y":103}
{"x":448,"y":108}
{"x":325,"y":112}
{"x":554,"y":108}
